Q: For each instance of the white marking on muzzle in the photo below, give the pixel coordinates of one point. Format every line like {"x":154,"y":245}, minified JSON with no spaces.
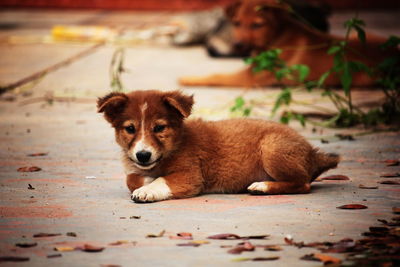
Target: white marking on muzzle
{"x":141,"y":144}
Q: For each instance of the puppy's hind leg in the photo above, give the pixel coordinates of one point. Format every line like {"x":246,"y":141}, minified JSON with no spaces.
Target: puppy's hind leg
{"x":276,"y":188}
{"x":286,"y":162}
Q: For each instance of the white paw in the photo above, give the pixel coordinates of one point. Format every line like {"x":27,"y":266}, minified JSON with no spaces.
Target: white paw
{"x":258,"y":187}
{"x":154,"y":191}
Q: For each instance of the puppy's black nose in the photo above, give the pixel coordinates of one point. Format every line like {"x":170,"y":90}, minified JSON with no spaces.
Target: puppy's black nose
{"x":143,"y":156}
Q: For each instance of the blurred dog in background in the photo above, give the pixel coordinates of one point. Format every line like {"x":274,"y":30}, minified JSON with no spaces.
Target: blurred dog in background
{"x":214,"y":28}
{"x":260,"y":25}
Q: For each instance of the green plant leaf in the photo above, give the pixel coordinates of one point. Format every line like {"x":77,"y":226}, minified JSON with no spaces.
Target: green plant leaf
{"x":346,"y":78}
{"x":360,"y":33}
{"x":392,"y":41}
{"x":323,"y":77}
{"x":357,"y":66}
{"x":285,"y":97}
{"x":334,"y":49}
{"x":302,"y":70}
{"x":246,"y":112}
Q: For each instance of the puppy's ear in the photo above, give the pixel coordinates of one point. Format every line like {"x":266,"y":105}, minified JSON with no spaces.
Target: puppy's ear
{"x":231,"y":9}
{"x":180,"y":102}
{"x":111,"y":104}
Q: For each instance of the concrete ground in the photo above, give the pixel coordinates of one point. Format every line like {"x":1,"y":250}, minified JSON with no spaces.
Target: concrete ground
{"x":81,"y":187}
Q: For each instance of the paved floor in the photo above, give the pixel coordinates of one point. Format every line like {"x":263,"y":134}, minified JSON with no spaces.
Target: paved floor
{"x":78,"y":144}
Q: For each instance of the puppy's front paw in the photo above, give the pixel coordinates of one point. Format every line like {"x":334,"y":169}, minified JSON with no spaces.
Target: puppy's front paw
{"x":258,"y":188}
{"x":155,"y":191}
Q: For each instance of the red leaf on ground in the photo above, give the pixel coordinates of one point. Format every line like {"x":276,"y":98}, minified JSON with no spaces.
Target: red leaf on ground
{"x":26,"y":245}
{"x":184,"y":236}
{"x":29,"y":169}
{"x":46,"y":235}
{"x":224,"y":236}
{"x":40,"y":154}
{"x":91,"y":248}
{"x":326,"y":259}
{"x":367,"y":186}
{"x":392,"y":162}
{"x":352,"y":207}
{"x":337,"y":177}
{"x":245,"y":246}
{"x":13,"y":258}
{"x":289,"y":240}
{"x":390,"y":175}
{"x":390,"y":182}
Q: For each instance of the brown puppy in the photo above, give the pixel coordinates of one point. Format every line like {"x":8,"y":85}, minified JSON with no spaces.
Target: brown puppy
{"x":167,"y":157}
{"x":260,"y":25}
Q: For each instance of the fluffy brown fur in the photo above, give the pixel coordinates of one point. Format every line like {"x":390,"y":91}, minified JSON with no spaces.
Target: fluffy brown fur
{"x":260,"y":25}
{"x":195,"y":156}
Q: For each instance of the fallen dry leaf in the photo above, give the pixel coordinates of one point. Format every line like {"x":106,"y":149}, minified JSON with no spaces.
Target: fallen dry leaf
{"x":119,"y":242}
{"x":368,"y":186}
{"x":72,"y":234}
{"x":326,"y":259}
{"x":13,"y":258}
{"x":272,"y":247}
{"x":396,"y":210}
{"x":26,"y":245}
{"x":40,"y":154}
{"x":224,"y":236}
{"x":161,"y":234}
{"x":245,"y":246}
{"x":392,"y":162}
{"x":91,"y":248}
{"x":46,"y":235}
{"x":135,"y":217}
{"x":273,"y":258}
{"x":255,"y":237}
{"x":397,"y":218}
{"x":29,"y":169}
{"x":30,"y":187}
{"x":390,"y":182}
{"x":54,"y":255}
{"x":189,"y":244}
{"x":201,"y":242}
{"x":64,"y":249}
{"x":352,"y":207}
{"x":348,"y":137}
{"x":390,"y":175}
{"x":184,"y":236}
{"x":337,"y":177}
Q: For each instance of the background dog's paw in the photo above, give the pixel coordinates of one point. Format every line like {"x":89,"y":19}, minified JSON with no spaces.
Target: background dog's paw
{"x":258,"y":188}
{"x":155,"y":191}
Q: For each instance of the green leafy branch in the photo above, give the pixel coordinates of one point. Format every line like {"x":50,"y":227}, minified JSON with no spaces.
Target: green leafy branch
{"x":388,"y":73}
{"x":116,"y":69}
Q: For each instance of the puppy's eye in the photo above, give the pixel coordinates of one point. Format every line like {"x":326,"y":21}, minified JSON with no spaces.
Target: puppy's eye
{"x":159,"y":128}
{"x":256,"y":25}
{"x":130,"y":129}
{"x":236,"y":23}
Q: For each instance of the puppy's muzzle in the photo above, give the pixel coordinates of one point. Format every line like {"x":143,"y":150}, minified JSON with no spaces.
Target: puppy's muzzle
{"x":143,"y":156}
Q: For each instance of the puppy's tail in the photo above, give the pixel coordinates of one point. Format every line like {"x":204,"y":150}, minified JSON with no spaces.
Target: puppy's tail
{"x":324,"y":162}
